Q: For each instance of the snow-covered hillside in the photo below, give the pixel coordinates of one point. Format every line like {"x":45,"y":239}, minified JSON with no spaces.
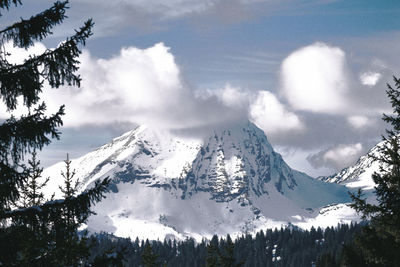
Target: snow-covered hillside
{"x":171,"y":185}
{"x":360,"y":174}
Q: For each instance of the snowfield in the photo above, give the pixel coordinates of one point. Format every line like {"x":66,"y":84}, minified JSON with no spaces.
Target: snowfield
{"x":167,"y":185}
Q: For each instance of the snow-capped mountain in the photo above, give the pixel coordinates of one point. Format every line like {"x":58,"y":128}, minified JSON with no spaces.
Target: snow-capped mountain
{"x":360,"y":174}
{"x":175,"y":185}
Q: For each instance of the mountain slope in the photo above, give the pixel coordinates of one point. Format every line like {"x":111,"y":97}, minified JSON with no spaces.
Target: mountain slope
{"x":174,"y":185}
{"x":360,"y":174}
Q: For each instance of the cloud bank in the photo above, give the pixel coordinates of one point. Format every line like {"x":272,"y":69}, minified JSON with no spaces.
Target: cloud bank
{"x":141,"y":86}
{"x":317,"y":104}
{"x":146,"y":86}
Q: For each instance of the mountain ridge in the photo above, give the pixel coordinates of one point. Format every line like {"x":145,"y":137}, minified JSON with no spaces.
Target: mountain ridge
{"x":230,"y":182}
{"x":359,"y":175}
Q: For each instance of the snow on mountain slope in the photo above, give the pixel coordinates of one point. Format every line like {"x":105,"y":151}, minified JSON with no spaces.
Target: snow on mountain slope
{"x":170,"y":185}
{"x":360,"y":174}
{"x":144,"y":146}
{"x":338,"y":213}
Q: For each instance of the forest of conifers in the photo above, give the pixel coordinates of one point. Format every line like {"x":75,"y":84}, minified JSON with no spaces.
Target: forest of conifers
{"x":280,"y":247}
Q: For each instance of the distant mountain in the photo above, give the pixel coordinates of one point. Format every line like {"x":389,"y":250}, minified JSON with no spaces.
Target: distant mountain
{"x":174,"y":185}
{"x":360,"y":174}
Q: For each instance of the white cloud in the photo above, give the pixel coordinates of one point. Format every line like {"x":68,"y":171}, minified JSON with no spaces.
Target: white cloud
{"x":271,"y":115}
{"x":234,"y":97}
{"x":314,"y":78}
{"x":358,"y":122}
{"x":262,"y":107}
{"x":229,"y":96}
{"x":145,"y":86}
{"x":370,"y":78}
{"x":18,"y":55}
{"x":343,"y":154}
{"x":139,"y":85}
{"x":338,"y":157}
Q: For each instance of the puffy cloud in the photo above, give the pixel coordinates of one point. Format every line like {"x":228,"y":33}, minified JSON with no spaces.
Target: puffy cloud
{"x":261,"y":107}
{"x":271,"y":115}
{"x":136,"y":86}
{"x":370,"y":78}
{"x":358,"y":122}
{"x":314,"y":78}
{"x":229,"y":96}
{"x":337,"y":157}
{"x":142,"y":86}
{"x":18,"y":55}
{"x":145,"y":86}
{"x":234,"y":97}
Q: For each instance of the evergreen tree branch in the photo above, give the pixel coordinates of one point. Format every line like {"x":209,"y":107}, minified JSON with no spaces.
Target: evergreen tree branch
{"x":57,"y":66}
{"x":394,"y":97}
{"x":361,"y":206}
{"x":36,"y":28}
{"x":42,"y":234}
{"x":5,"y":4}
{"x":10,"y":181}
{"x":30,"y":193}
{"x":17,"y":137}
{"x":25,"y":81}
{"x":379,"y":242}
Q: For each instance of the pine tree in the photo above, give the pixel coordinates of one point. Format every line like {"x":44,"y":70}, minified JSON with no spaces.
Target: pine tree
{"x":30,"y":132}
{"x":109,"y":258}
{"x":228,"y":259}
{"x":68,"y":219}
{"x":31,"y":194}
{"x":148,"y":257}
{"x":379,"y":242}
{"x":70,"y":247}
{"x":36,"y":231}
{"x":212,"y":259}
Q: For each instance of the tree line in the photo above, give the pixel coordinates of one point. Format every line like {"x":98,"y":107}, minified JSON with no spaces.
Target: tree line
{"x":288,"y":246}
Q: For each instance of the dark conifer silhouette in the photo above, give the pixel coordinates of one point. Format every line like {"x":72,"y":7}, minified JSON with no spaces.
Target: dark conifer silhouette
{"x":31,"y":193}
{"x":227,"y":257}
{"x":212,"y":259}
{"x":148,"y":257}
{"x":379,"y":242}
{"x":35,"y":234}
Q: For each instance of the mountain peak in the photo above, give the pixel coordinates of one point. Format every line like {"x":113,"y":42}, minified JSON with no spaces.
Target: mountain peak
{"x":359,"y":175}
{"x":230,"y":181}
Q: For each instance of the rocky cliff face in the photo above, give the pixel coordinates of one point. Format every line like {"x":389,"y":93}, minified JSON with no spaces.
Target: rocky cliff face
{"x":165,"y":184}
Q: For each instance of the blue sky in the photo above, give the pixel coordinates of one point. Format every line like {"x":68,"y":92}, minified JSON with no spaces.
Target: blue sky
{"x":205,"y":39}
{"x":310,"y":73}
